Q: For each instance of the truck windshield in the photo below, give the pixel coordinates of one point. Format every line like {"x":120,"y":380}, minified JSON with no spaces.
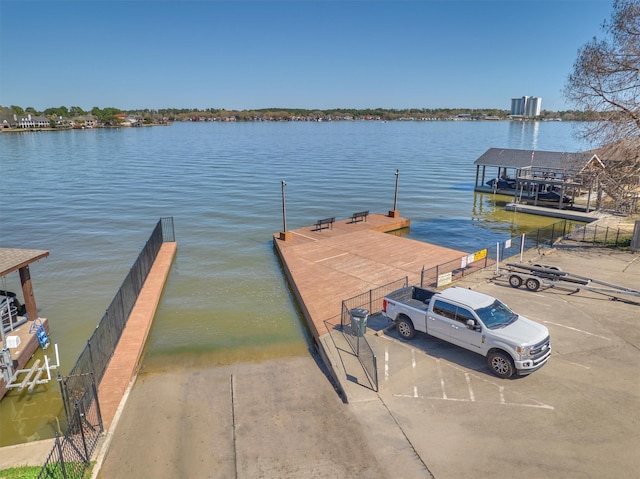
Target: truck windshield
{"x":496,"y":315}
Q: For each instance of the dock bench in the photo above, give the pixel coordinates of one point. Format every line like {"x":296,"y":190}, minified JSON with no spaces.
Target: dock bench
{"x":325,"y":223}
{"x":359,"y":216}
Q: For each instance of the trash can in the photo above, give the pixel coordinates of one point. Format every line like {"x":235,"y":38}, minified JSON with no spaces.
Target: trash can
{"x":359,"y":321}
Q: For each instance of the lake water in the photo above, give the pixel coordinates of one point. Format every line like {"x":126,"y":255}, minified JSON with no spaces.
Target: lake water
{"x":92,"y":198}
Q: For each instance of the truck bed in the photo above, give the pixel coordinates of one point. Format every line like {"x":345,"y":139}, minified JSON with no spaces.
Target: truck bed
{"x":413,"y":296}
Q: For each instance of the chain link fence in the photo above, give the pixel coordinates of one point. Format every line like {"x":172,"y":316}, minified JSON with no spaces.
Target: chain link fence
{"x":605,"y":236}
{"x":71,"y":454}
{"x":445,"y":273}
{"x":371,"y":301}
{"x":545,"y":237}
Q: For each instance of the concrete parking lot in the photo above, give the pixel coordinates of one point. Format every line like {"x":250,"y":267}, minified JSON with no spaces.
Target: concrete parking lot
{"x":576,"y":417}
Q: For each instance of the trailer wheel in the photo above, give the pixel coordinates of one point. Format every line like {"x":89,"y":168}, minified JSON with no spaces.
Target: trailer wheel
{"x":532,"y":284}
{"x":515,"y":281}
{"x":500,"y":365}
{"x":405,"y":328}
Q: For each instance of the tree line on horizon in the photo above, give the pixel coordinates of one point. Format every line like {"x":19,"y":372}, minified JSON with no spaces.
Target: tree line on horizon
{"x":109,"y":114}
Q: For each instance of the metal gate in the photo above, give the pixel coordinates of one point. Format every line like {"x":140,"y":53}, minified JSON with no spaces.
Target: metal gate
{"x":71,"y":454}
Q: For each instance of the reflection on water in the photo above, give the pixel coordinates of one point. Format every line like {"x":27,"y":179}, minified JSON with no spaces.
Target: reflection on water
{"x":30,"y":416}
{"x":489,"y":210}
{"x":525,"y":135}
{"x":94,"y":196}
{"x":487,"y":223}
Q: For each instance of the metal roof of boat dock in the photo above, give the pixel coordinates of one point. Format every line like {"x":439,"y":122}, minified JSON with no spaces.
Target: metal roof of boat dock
{"x":509,"y":158}
{"x":12,"y":259}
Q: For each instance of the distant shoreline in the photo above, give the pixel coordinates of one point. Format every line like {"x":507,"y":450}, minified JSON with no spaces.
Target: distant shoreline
{"x":32,"y":130}
{"x":319,"y":120}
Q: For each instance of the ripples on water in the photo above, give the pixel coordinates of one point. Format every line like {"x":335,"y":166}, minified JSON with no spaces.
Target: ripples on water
{"x":92,"y":198}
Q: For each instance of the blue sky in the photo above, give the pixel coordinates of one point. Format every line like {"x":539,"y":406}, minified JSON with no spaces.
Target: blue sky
{"x":291,"y":54}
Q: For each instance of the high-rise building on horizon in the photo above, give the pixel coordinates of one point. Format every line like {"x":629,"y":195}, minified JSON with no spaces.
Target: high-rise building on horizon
{"x":527,"y":106}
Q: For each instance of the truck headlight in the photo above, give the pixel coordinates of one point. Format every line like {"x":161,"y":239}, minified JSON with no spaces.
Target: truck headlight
{"x":524,"y":351}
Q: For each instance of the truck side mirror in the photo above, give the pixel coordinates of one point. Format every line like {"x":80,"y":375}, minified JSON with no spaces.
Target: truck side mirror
{"x":471,"y":324}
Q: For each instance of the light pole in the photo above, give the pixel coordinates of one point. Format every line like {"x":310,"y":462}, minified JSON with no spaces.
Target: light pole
{"x":284,"y":209}
{"x":394,"y":212}
{"x":395,"y":198}
{"x":284,"y":234}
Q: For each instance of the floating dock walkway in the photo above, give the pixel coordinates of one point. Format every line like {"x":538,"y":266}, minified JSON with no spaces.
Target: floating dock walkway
{"x":554,"y":212}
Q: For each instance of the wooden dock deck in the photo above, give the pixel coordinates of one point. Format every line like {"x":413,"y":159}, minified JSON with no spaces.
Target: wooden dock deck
{"x":325,"y":267}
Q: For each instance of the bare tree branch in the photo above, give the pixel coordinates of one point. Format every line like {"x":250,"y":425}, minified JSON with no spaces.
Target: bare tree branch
{"x":606,"y":79}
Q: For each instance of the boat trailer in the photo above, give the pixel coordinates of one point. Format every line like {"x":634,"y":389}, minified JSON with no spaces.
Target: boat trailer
{"x":534,"y":276}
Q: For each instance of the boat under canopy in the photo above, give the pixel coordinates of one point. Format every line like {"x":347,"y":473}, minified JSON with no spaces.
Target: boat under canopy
{"x":544,"y":178}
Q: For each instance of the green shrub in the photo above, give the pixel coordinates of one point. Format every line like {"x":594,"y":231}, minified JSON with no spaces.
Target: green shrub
{"x":24,"y":472}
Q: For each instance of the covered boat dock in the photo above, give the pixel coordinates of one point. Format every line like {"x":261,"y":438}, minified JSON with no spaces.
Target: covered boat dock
{"x":18,"y":342}
{"x":540,"y":178}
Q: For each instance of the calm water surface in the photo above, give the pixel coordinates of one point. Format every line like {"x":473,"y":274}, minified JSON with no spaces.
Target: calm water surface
{"x":92,"y":198}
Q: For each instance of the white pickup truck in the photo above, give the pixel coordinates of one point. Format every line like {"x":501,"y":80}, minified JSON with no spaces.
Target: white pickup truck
{"x":475,"y":321}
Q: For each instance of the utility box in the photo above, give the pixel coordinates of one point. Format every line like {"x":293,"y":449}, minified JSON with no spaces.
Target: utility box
{"x":12,"y":342}
{"x":359,"y":321}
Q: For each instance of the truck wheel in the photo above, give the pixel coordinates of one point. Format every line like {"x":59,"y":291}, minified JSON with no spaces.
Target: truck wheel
{"x":532,"y":284}
{"x":405,"y":328}
{"x":515,"y":281}
{"x":500,"y":365}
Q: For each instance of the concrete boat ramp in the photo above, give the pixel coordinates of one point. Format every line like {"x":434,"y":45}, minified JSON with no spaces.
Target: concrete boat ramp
{"x":329,"y":265}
